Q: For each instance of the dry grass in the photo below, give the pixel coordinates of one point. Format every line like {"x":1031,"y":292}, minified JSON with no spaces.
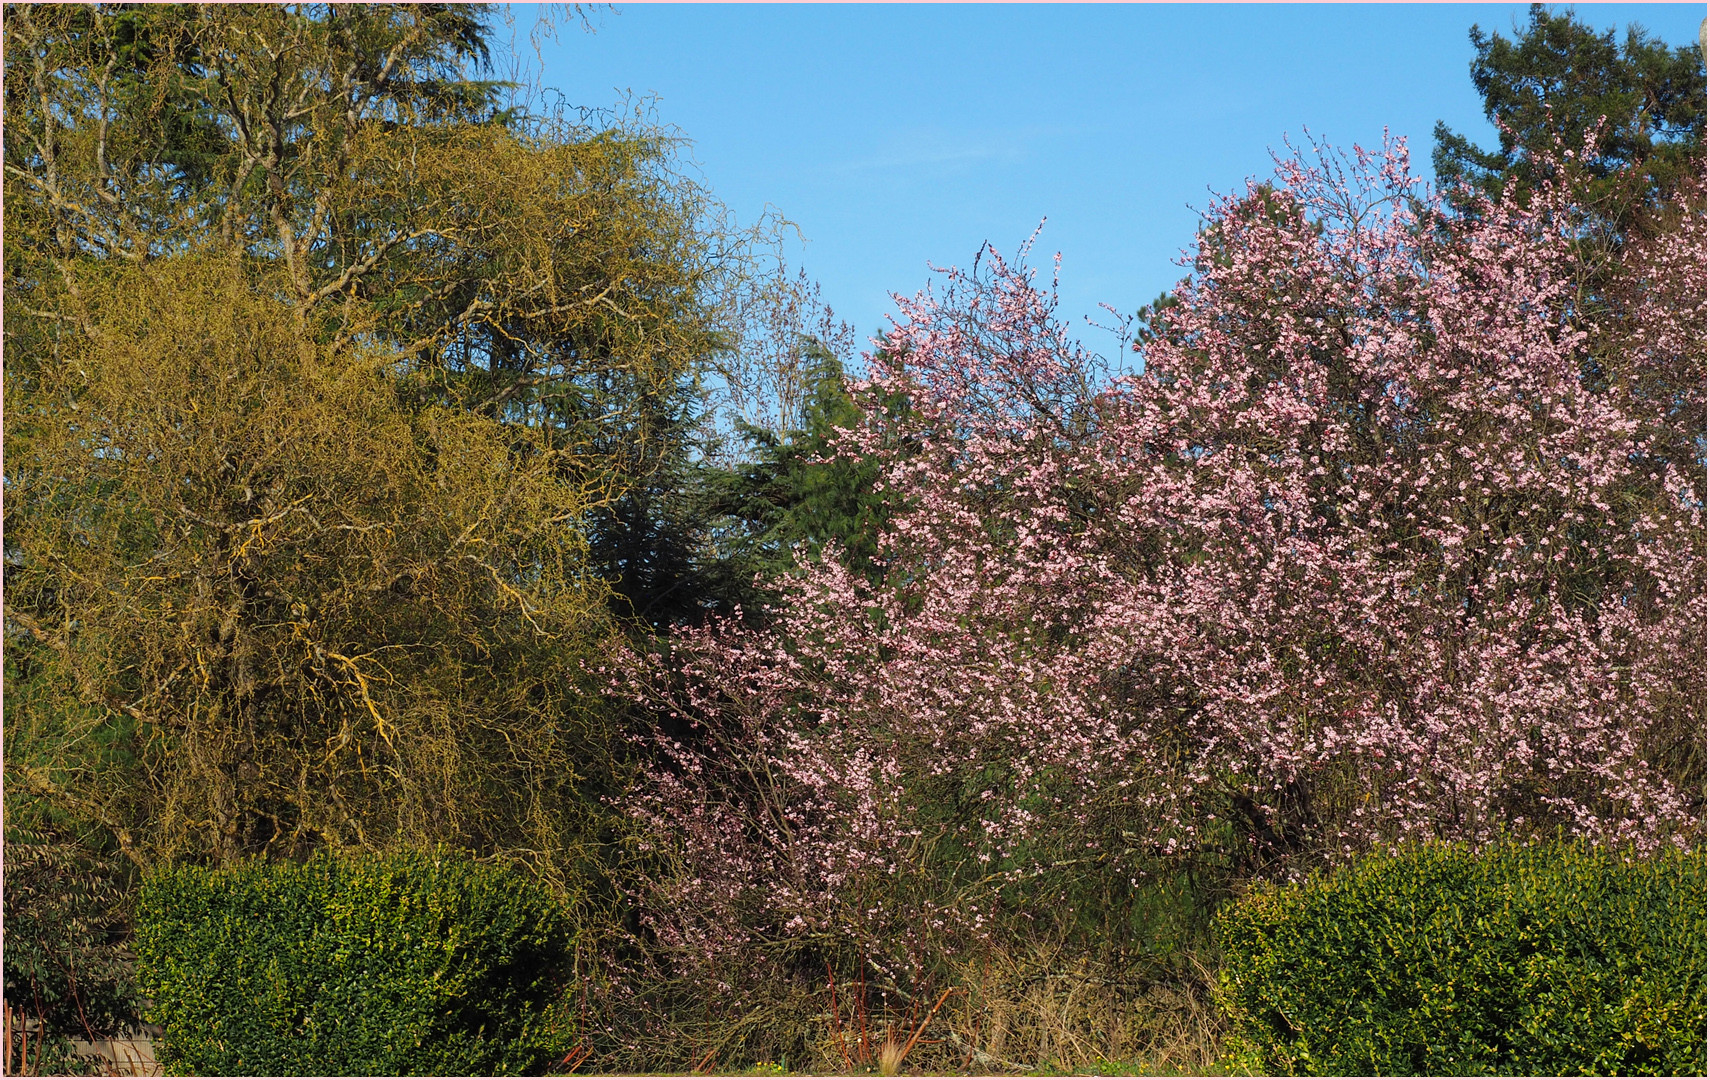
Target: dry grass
{"x":1039,"y":1011}
{"x":1024,"y":1007}
{"x":1045,"y":1011}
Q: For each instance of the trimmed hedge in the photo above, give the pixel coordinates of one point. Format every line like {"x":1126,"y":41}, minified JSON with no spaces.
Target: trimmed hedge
{"x":1551,"y":959}
{"x":394,"y":965}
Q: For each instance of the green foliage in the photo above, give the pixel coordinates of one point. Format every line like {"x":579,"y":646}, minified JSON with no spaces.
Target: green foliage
{"x":66,"y":962}
{"x":798,"y":493}
{"x":373,"y":965}
{"x":67,"y":967}
{"x":706,"y":535}
{"x":648,"y":541}
{"x":1545,"y":959}
{"x":1559,"y":79}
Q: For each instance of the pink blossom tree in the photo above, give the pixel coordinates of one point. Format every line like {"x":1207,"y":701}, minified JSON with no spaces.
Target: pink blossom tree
{"x":1362,"y":553}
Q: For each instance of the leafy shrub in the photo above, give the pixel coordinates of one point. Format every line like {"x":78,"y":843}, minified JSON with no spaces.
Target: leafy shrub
{"x":1547,"y":959}
{"x":67,"y":967}
{"x":65,"y":958}
{"x":68,"y":884}
{"x":378,"y":965}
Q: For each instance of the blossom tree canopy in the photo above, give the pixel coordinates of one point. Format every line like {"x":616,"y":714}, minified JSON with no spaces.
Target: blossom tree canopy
{"x":1391,"y":536}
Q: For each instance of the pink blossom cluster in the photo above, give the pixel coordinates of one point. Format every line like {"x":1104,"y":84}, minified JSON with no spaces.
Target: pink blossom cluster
{"x":1391,"y":536}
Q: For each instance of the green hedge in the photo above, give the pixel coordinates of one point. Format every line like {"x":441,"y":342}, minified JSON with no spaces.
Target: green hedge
{"x":397,"y":965}
{"x":1552,"y":959}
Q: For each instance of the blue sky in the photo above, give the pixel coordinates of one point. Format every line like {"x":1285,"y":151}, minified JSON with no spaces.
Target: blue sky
{"x":900,"y":135}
